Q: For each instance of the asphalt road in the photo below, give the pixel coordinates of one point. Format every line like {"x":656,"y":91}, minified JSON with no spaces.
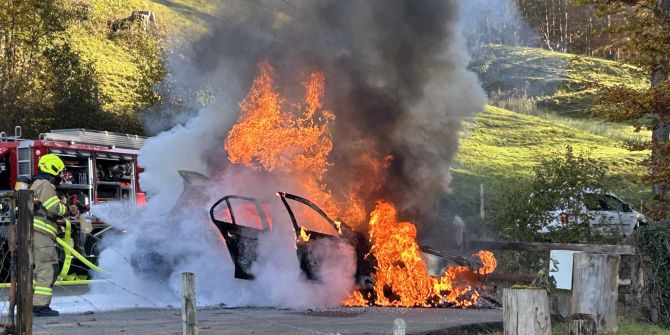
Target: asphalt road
{"x":268,"y":321}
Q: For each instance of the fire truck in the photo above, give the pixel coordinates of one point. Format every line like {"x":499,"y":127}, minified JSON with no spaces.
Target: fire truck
{"x":100,"y":166}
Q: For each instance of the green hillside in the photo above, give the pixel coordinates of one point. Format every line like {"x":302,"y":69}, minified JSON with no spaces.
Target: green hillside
{"x":123,"y":61}
{"x":543,"y":98}
{"x":560,"y":83}
{"x":503,"y":146}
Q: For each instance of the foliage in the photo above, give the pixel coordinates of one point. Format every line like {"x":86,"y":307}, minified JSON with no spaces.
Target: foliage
{"x":626,"y":327}
{"x":558,"y":182}
{"x":653,"y":243}
{"x":646,"y":33}
{"x":559,"y":25}
{"x":543,"y":278}
{"x":62,"y":65}
{"x":29,"y":30}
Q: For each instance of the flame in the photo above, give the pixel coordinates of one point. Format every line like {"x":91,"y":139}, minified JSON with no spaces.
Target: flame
{"x":293,"y":139}
{"x":289,"y":138}
{"x":400,"y":268}
{"x":338,"y":224}
{"x":304,"y":237}
{"x":401,"y":274}
{"x":355,"y":299}
{"x":270,"y":138}
{"x":489,"y":262}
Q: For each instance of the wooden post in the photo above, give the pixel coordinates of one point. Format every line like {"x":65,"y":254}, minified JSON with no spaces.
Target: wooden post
{"x":399,"y":327}
{"x":12,"y":262}
{"x":582,"y":324}
{"x":24,"y":263}
{"x":526,"y":312}
{"x":595,"y":279}
{"x":481,"y":201}
{"x":188,"y":311}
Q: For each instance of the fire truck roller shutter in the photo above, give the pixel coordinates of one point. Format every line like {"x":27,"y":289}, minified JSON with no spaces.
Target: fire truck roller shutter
{"x":5,"y":175}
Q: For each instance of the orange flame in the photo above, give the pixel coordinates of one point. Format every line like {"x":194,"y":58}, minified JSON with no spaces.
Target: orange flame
{"x":400,"y":268}
{"x":294,"y":139}
{"x":401,"y":274}
{"x":268,"y":137}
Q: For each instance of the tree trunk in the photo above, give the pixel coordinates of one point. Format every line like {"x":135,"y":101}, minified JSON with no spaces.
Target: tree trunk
{"x":526,"y":312}
{"x":595,"y":279}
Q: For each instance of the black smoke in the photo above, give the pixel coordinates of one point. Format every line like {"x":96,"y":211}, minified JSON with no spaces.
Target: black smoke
{"x":396,"y":81}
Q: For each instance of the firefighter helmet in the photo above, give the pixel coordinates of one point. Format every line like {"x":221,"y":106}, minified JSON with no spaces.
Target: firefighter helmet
{"x":51,"y":164}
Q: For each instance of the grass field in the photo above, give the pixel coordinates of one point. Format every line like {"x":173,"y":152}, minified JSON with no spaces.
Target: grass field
{"x":554,"y":82}
{"x":543,"y":100}
{"x":501,"y":146}
{"x":116,"y":65}
{"x":626,"y":327}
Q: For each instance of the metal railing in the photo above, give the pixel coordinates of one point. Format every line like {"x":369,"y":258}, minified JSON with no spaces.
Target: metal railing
{"x":97,"y":137}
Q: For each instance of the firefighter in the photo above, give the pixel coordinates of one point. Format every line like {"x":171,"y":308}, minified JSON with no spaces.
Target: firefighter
{"x":48,"y":209}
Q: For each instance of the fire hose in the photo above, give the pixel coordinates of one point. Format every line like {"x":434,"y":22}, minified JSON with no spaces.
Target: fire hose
{"x":70,"y":252}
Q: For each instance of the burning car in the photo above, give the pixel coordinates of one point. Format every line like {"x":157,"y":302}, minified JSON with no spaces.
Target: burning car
{"x":242,"y":220}
{"x":286,"y":139}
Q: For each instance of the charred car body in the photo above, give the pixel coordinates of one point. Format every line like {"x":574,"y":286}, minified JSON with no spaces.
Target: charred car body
{"x":242,"y":221}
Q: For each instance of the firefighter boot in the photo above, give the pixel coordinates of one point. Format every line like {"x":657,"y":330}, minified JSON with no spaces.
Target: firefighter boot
{"x":43,"y":311}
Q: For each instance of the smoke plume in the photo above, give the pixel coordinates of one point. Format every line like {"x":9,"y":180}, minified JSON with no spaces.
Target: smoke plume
{"x":397,"y":83}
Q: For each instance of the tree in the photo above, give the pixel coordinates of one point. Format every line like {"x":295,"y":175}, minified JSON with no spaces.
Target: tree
{"x":29,"y":28}
{"x":646,"y":32}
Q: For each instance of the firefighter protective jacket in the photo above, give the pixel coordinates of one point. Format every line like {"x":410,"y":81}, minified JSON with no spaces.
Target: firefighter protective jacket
{"x":49,"y":209}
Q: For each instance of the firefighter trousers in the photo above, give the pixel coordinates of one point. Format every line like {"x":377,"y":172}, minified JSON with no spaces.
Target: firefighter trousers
{"x":46,"y":268}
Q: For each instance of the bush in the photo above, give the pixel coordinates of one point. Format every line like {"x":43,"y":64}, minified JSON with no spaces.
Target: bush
{"x":653,"y":245}
{"x":522,"y":209}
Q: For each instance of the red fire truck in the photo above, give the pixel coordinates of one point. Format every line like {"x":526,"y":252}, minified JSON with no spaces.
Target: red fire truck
{"x":100,"y":166}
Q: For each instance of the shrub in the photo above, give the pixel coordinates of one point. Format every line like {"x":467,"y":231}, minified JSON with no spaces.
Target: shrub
{"x":522,"y":209}
{"x":653,"y":244}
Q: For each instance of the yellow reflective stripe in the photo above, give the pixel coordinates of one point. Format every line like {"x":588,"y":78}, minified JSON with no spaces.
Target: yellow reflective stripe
{"x":51,"y":202}
{"x":43,"y":226}
{"x":43,"y":290}
{"x":61,"y":209}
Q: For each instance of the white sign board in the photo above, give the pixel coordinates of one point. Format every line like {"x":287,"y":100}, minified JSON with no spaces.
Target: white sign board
{"x":563,"y":264}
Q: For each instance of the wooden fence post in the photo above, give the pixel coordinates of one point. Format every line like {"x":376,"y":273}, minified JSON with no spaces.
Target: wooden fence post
{"x":481,"y":201}
{"x":399,"y":327}
{"x":595,"y":280}
{"x":12,"y":262}
{"x":24,"y":263}
{"x":526,"y":312}
{"x":188,"y":309}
